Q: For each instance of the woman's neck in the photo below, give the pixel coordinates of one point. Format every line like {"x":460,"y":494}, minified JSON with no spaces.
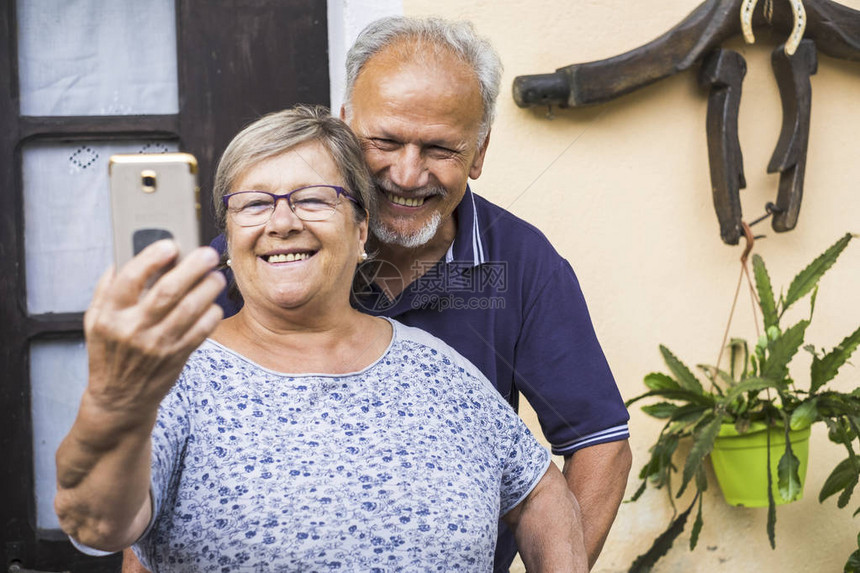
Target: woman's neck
{"x":337,"y":341}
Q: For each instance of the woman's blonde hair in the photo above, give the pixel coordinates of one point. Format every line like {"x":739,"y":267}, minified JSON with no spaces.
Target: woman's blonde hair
{"x":276,"y":133}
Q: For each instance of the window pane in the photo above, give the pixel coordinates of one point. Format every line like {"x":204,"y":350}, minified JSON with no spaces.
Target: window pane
{"x":58,"y":376}
{"x":92,"y":57}
{"x":67,"y":230}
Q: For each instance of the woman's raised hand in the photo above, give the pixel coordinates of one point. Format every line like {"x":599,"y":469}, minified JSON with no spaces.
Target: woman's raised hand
{"x":139,"y":338}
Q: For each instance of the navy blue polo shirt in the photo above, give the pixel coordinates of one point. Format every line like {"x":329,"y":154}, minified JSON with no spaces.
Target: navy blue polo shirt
{"x":506,"y":300}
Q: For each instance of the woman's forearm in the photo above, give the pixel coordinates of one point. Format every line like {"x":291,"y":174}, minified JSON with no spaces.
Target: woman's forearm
{"x":103,"y":472}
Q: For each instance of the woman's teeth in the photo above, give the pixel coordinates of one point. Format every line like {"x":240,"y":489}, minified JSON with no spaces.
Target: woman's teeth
{"x":406,"y":202}
{"x":288,"y":257}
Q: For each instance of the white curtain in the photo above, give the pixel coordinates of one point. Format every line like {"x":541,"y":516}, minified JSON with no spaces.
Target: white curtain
{"x":67,"y":229}
{"x":58,"y":376}
{"x":97,"y":57}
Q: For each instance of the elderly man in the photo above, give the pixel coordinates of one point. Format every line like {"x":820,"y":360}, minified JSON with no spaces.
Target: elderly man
{"x":421,"y":97}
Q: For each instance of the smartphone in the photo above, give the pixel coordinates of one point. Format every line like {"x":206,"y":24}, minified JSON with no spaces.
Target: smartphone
{"x":153,"y":196}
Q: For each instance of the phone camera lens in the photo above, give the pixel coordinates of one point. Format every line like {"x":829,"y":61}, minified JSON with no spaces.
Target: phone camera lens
{"x":148,"y":180}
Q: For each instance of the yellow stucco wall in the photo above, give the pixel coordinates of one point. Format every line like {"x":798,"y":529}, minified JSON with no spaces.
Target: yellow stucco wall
{"x":623,"y":192}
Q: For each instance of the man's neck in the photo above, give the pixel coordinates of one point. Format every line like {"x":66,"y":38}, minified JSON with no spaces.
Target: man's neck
{"x":410,"y":264}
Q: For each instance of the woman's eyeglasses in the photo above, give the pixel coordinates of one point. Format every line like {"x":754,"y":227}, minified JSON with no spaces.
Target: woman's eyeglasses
{"x":313,"y":203}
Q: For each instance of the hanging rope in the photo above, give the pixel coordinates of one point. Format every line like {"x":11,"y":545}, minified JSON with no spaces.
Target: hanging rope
{"x":750,"y":241}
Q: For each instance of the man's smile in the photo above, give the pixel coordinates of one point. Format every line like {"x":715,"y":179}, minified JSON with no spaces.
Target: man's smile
{"x":406,"y":201}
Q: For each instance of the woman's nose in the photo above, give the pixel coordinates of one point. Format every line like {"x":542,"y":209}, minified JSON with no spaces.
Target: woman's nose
{"x":283,"y":218}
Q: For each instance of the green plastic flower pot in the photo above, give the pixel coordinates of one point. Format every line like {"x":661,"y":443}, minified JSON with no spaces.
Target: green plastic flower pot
{"x":739,"y":461}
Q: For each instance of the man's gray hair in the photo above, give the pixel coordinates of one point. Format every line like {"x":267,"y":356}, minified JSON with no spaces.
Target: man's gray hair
{"x":455,"y":37}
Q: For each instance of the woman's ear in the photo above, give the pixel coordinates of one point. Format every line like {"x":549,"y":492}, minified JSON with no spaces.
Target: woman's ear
{"x":362,"y":230}
{"x":226,"y":256}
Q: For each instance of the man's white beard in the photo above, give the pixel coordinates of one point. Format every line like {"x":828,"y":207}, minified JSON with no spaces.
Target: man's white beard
{"x":409,"y":241}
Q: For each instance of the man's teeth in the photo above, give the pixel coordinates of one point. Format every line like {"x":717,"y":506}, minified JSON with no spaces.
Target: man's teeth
{"x":288,"y":257}
{"x":407,"y":202}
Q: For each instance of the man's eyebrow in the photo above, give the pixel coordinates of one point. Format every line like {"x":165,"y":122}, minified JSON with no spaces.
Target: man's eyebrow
{"x":458,"y":146}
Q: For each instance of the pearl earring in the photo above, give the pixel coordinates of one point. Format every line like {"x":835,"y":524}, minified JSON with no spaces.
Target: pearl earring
{"x":363,"y":256}
{"x":229,"y":262}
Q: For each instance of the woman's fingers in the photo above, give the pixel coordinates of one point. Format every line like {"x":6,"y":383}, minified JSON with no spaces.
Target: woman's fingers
{"x":190,"y":320}
{"x":170,"y":292}
{"x":138,"y":340}
{"x":132,"y":279}
{"x":100,"y":294}
{"x":196,"y":333}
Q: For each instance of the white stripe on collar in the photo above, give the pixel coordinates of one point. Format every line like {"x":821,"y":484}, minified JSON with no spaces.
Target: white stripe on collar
{"x":477,"y":245}
{"x":478,"y":256}
{"x":449,"y":255}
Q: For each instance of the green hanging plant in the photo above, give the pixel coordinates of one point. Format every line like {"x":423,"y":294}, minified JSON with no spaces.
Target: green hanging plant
{"x":755,"y":389}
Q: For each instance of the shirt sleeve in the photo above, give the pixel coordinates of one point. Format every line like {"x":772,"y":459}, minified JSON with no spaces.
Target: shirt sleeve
{"x":169,"y":436}
{"x":562,"y":371}
{"x":525,"y":461}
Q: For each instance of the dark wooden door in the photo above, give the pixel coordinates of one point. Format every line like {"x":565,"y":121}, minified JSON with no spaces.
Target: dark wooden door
{"x":235,"y":60}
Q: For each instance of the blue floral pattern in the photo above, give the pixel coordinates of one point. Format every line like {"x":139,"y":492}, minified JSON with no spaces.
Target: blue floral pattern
{"x":403,"y":466}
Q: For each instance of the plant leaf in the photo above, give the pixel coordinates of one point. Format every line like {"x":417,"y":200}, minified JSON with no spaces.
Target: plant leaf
{"x":825,"y":369}
{"x":840,"y":478}
{"x":660,"y":381}
{"x":639,"y":492}
{"x":703,"y":443}
{"x":853,"y":563}
{"x":804,"y":415}
{"x":697,"y":526}
{"x":683,"y":375}
{"x":750,"y":385}
{"x":690,"y":413}
{"x":845,"y":496}
{"x":661,"y":411}
{"x":765,"y":292}
{"x":717,"y":378}
{"x":702,"y":480}
{"x":662,"y":544}
{"x":787,"y":470}
{"x":771,"y":504}
{"x":680,"y":394}
{"x":806,"y":280}
{"x":736,"y":344}
{"x":812,"y":299}
{"x":659,"y":466}
{"x":838,"y":429}
{"x":782,"y":350}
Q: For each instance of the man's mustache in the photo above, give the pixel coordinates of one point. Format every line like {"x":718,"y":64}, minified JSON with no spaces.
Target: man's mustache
{"x":388,"y":186}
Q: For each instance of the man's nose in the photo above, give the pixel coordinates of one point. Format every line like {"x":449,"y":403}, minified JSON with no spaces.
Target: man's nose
{"x":409,"y":171}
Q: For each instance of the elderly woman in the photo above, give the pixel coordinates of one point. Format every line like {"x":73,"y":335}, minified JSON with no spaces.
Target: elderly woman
{"x":300,"y":434}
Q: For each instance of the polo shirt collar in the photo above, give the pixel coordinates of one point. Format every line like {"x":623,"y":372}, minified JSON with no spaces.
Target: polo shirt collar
{"x":467,"y":245}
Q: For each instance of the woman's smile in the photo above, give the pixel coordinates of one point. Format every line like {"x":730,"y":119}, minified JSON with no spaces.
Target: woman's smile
{"x":287,"y":262}
{"x":291,"y":256}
